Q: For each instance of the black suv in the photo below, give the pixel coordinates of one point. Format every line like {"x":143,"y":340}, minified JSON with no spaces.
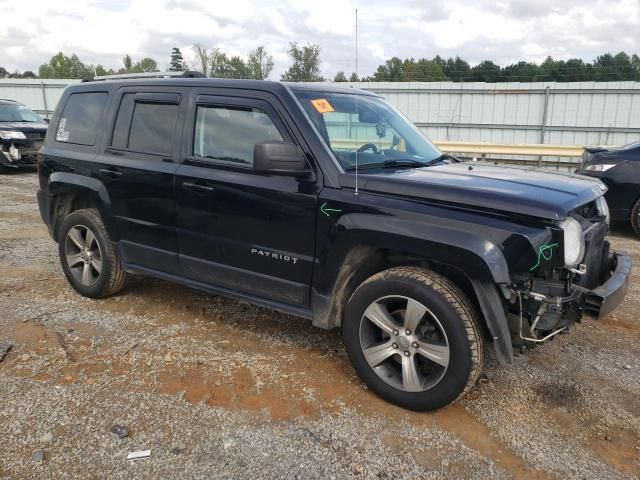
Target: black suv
{"x":327,"y":204}
{"x":22,"y":133}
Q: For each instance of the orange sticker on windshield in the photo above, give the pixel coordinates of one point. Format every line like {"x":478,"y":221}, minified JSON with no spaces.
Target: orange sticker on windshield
{"x":322,"y":105}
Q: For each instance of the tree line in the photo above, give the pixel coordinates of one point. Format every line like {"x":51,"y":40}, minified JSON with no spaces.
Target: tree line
{"x":306,"y":66}
{"x":604,"y":68}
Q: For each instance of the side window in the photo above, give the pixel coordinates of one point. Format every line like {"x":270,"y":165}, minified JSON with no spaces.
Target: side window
{"x":80,"y":118}
{"x":228,"y":134}
{"x":145,"y":127}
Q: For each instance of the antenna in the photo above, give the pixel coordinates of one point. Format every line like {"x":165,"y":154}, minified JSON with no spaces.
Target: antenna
{"x":358,"y":116}
{"x":356,"y":42}
{"x":356,"y":190}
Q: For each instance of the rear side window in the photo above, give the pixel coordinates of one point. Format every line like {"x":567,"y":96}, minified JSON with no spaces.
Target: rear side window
{"x":228,"y":134}
{"x":80,"y":118}
{"x":145,"y":127}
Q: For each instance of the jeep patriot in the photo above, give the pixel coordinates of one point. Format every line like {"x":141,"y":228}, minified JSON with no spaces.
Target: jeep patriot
{"x":328,"y":204}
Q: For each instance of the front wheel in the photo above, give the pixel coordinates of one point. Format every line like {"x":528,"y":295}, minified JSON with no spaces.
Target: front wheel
{"x":413,"y":338}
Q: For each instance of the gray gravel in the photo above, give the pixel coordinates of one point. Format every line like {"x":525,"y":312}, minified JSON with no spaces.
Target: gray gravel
{"x":220,"y":389}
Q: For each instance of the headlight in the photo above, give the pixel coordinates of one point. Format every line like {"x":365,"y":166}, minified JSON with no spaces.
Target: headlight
{"x":12,"y":135}
{"x":573,"y":242}
{"x":599,"y":167}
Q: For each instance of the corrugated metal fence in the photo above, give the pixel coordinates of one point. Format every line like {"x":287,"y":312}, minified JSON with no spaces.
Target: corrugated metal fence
{"x":581,"y":113}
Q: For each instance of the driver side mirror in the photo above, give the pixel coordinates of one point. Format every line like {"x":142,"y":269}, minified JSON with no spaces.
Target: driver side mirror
{"x":279,"y":158}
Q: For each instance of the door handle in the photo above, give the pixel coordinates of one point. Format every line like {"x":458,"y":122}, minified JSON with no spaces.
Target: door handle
{"x":197,"y":186}
{"x":110,"y":172}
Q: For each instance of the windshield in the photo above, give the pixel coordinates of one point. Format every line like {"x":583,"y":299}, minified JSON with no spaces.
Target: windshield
{"x":18,"y":113}
{"x":368,"y":129}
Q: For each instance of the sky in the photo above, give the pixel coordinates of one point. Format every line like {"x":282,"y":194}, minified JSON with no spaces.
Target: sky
{"x":103,"y":31}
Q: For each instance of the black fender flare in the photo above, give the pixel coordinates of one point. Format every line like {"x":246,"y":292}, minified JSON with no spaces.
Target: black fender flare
{"x":61,"y":183}
{"x":360,"y":237}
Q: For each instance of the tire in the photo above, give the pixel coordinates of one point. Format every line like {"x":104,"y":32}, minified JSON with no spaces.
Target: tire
{"x":635,"y":217}
{"x":413,"y":338}
{"x":89,"y":260}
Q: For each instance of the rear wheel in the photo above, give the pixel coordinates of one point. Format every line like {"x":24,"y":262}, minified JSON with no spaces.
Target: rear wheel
{"x":89,"y":260}
{"x":635,"y":217}
{"x":413,"y":338}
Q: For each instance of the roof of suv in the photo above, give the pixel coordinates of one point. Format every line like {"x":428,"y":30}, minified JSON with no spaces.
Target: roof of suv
{"x":265,"y":85}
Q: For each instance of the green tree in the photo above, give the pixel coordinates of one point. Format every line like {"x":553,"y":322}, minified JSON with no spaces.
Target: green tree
{"x":486,"y":71}
{"x":28,"y":74}
{"x":520,"y":72}
{"x":3,"y":72}
{"x":229,"y":67}
{"x":456,"y":69}
{"x":259,"y":63}
{"x":177,"y":62}
{"x":635,"y":63}
{"x":147,"y":64}
{"x":354,"y":77}
{"x":128,"y":63}
{"x":340,"y":77}
{"x":391,"y":71}
{"x":101,"y":71}
{"x":61,"y":66}
{"x":306,"y":64}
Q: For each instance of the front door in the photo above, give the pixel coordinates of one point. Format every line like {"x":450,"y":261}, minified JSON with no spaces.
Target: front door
{"x":137,"y":166}
{"x":240,"y":230}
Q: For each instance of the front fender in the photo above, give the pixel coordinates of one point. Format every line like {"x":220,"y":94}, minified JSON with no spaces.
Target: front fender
{"x":360,"y":236}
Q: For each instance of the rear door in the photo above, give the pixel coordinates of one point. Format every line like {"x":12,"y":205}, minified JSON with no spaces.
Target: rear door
{"x":247,"y":232}
{"x":137,"y":166}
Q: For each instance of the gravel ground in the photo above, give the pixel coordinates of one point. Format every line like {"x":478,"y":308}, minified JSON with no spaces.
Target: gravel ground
{"x":220,"y":389}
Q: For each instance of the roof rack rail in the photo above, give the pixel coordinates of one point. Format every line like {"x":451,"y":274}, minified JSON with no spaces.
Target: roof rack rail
{"x":10,"y":100}
{"x":129,"y":76}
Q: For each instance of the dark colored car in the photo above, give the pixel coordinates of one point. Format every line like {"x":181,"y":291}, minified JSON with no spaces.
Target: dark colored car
{"x":327,"y":204}
{"x":619,"y":169}
{"x":22,"y":133}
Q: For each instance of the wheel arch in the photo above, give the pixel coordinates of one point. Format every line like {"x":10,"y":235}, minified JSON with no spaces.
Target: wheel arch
{"x":471,"y":263}
{"x":71,"y":192}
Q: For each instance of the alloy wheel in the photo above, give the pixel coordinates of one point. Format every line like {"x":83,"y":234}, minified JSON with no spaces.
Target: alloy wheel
{"x":83,"y":255}
{"x":404,"y":343}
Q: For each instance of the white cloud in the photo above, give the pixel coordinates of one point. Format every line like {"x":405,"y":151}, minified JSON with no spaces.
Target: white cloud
{"x":103,"y":31}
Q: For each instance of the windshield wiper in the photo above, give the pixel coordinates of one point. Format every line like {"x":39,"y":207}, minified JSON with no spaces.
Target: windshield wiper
{"x":444,"y":156}
{"x":408,"y":163}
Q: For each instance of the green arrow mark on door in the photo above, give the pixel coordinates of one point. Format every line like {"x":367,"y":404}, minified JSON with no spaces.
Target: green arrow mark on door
{"x":328,"y":211}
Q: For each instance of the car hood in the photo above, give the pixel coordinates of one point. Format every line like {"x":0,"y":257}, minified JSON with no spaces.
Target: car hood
{"x":24,"y":126}
{"x":523,"y":191}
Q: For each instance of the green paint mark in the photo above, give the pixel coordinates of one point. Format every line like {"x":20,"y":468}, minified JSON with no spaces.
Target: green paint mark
{"x":545,"y":252}
{"x":328,"y":211}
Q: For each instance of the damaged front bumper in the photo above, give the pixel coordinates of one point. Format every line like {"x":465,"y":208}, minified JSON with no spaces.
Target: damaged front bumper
{"x":18,"y":152}
{"x":549,"y":307}
{"x":601,"y":301}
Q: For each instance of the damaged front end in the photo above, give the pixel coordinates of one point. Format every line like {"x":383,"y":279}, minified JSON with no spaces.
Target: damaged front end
{"x":575,"y":273}
{"x":18,"y":149}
